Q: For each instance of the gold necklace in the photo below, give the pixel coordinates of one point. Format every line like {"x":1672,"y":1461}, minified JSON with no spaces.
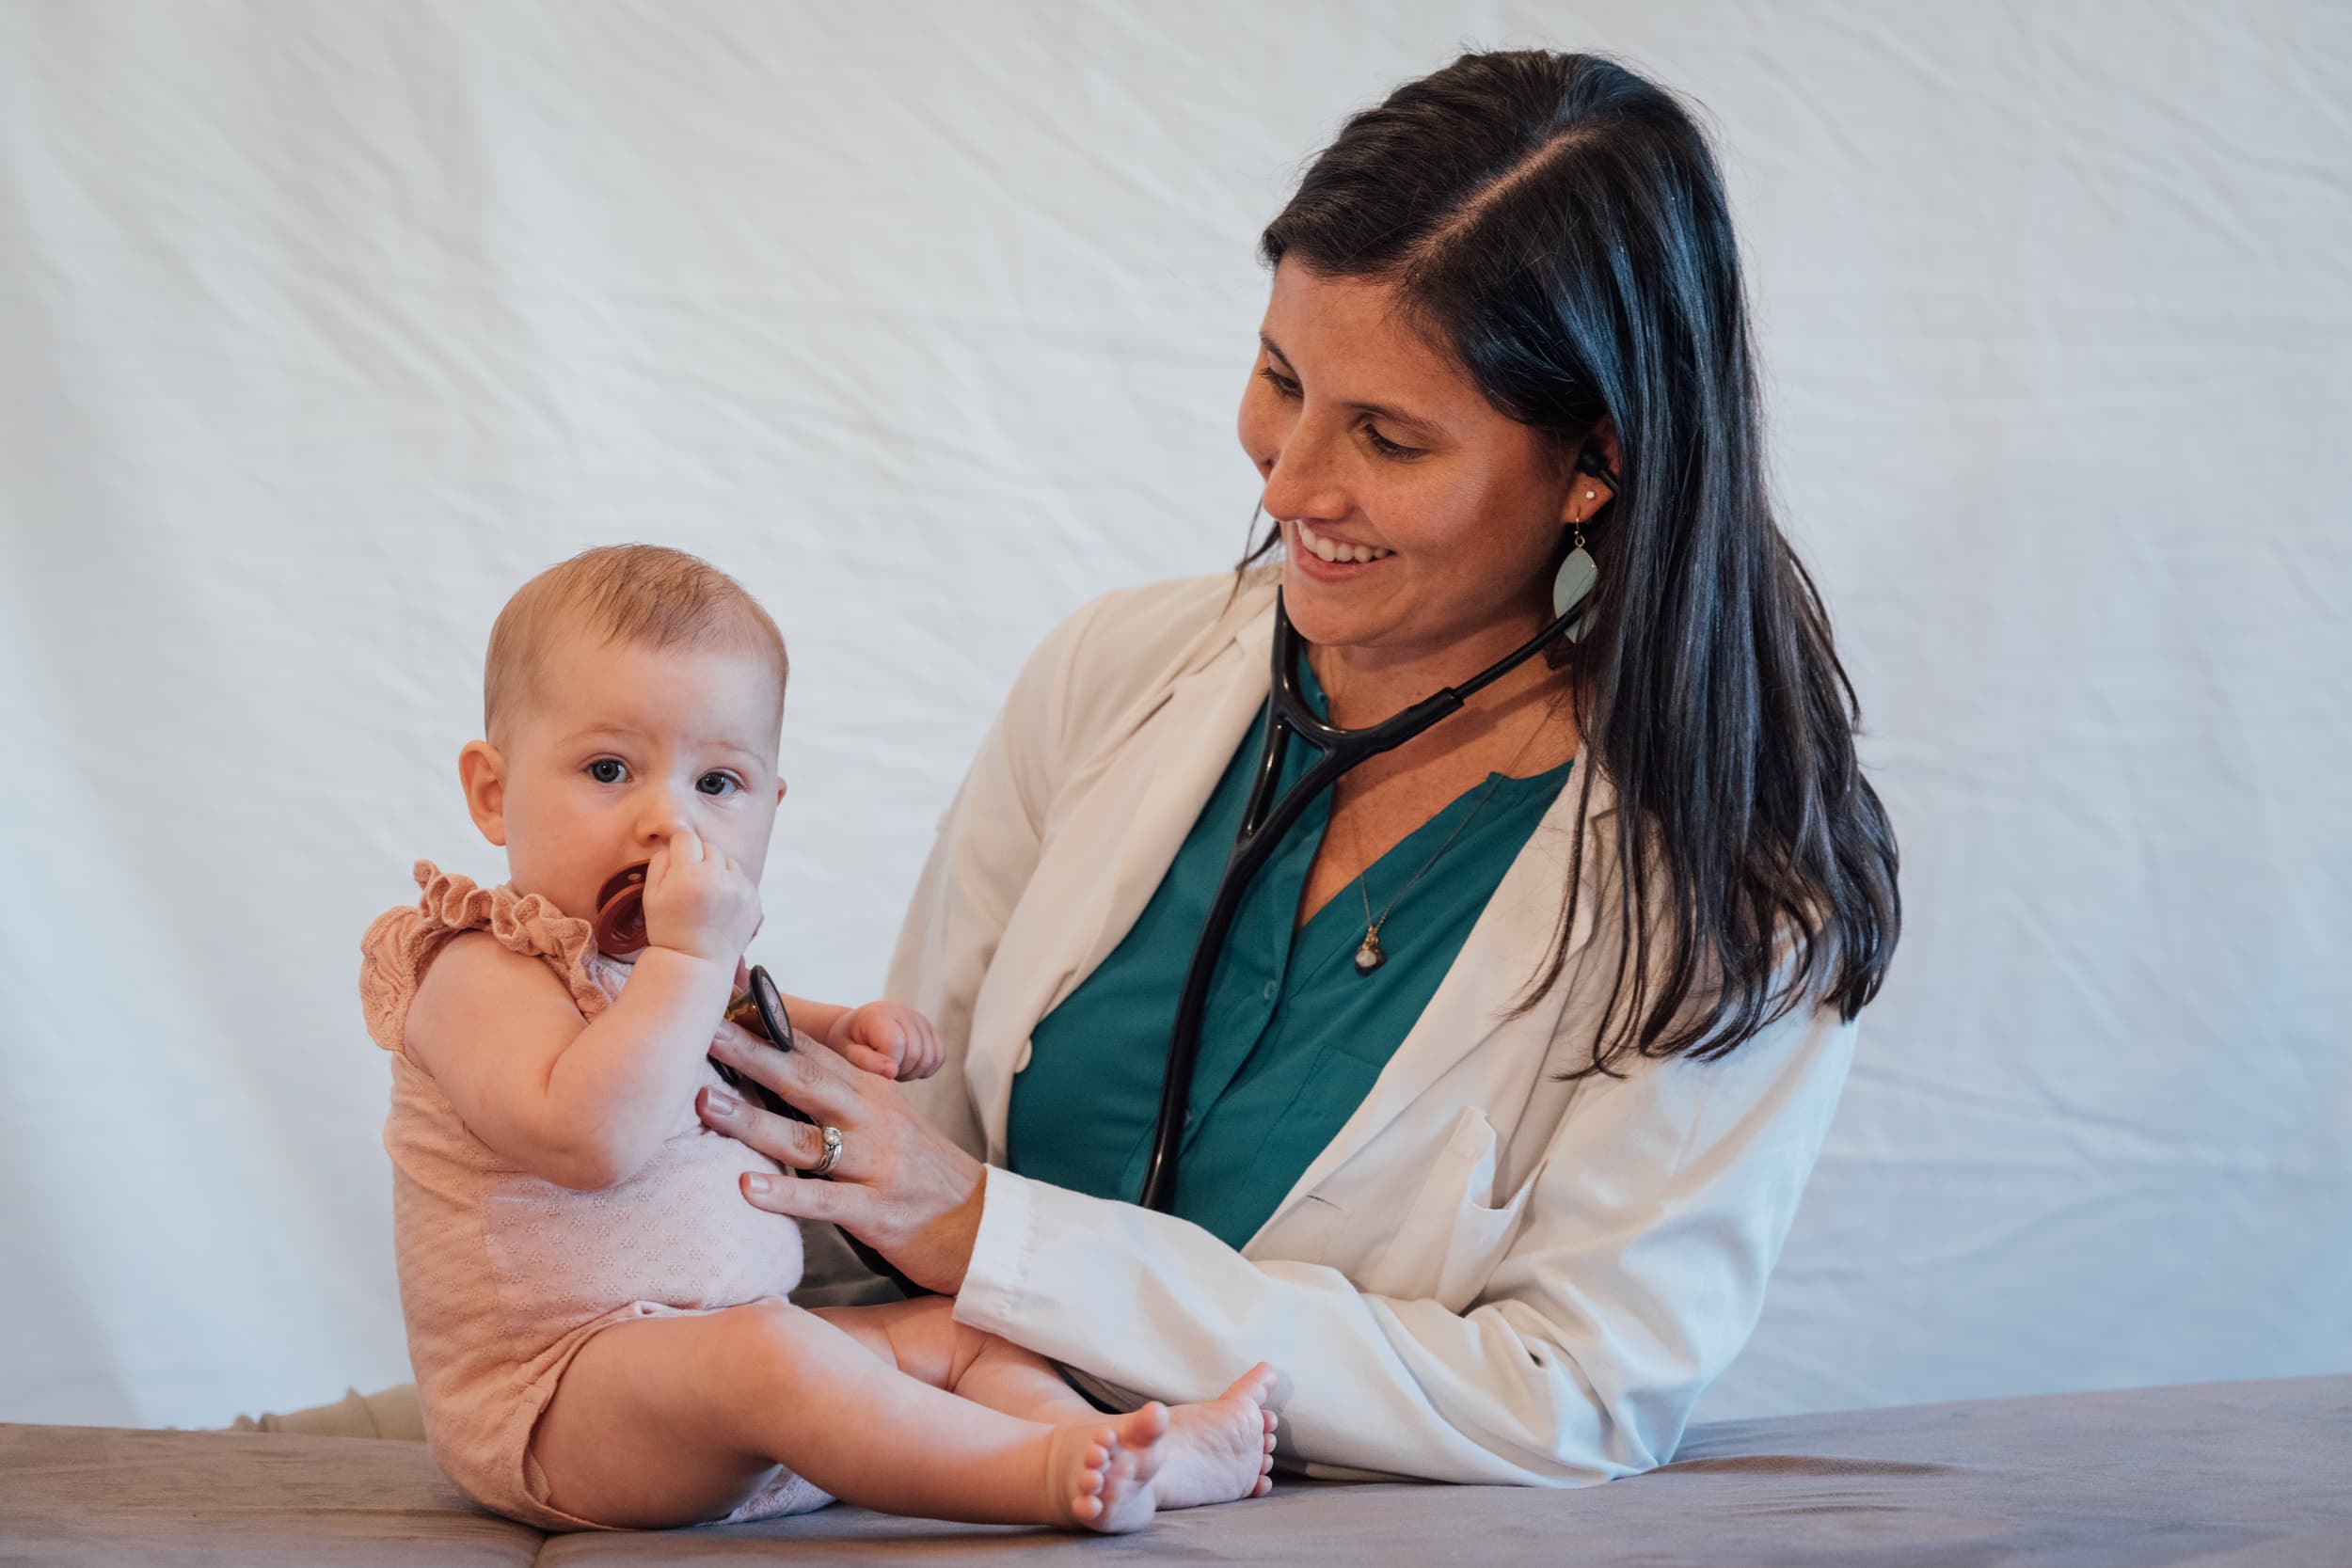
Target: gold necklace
{"x":1369,"y":956}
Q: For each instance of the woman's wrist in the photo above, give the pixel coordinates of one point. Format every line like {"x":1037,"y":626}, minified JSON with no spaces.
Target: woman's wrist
{"x":957,"y":1233}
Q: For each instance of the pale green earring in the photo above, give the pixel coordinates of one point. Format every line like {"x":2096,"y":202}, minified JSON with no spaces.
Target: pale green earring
{"x":1574,"y":583}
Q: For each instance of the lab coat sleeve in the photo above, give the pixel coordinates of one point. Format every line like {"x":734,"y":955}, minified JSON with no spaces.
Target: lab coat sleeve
{"x":1635,"y":1276}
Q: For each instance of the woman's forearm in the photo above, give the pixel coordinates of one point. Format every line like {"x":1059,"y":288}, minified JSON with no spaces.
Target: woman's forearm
{"x":1626,"y":1283}
{"x":1160,"y":1307}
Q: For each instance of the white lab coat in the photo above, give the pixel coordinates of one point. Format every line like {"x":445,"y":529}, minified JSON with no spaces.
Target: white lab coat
{"x":1488,"y":1275}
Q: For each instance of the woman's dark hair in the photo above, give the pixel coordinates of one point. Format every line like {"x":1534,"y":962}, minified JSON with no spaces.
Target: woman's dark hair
{"x":1559,"y":223}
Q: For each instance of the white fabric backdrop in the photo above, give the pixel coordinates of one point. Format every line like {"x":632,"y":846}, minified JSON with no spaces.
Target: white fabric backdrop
{"x":322,"y":326}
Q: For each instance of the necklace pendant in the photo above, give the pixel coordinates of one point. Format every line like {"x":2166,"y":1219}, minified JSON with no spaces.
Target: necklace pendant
{"x":1369,"y":956}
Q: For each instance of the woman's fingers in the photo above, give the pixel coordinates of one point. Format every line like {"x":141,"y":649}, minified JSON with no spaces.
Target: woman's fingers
{"x":797,"y":1144}
{"x":808,"y":1077}
{"x":839,"y":1203}
{"x":787,"y":1142}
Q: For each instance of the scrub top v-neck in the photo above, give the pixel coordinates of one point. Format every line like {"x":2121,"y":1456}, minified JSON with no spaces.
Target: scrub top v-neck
{"x":1293,"y":1035}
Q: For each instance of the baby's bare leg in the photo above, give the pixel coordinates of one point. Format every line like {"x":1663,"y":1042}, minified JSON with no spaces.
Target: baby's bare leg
{"x":922,"y":1338}
{"x":670,"y":1421}
{"x":1215,"y":1451}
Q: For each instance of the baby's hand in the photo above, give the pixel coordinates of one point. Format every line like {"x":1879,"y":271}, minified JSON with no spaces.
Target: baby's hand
{"x":888,"y":1039}
{"x":698,"y":902}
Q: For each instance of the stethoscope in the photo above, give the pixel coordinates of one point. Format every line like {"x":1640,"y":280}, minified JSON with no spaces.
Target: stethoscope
{"x":1264,"y":820}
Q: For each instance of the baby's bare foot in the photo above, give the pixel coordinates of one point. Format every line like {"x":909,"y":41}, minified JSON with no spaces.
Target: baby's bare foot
{"x":1103,"y":1472}
{"x":1221,"y":1449}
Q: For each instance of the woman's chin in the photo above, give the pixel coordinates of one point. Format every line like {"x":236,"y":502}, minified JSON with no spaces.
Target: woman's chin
{"x":1331,"y":613}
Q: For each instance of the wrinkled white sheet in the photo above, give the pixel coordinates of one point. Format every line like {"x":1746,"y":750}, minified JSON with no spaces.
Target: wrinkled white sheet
{"x":322,"y":326}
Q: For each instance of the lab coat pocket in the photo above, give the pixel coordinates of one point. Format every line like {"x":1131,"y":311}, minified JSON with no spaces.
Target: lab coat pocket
{"x":1447,"y":1239}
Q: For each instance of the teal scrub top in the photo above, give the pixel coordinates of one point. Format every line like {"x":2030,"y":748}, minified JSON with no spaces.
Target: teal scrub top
{"x":1292,"y":1036}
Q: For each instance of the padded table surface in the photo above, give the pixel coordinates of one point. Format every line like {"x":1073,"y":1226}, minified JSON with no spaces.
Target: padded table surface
{"x":2227,"y":1473}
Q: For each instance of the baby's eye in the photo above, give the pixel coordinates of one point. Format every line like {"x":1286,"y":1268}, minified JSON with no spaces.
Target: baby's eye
{"x":607,"y":770}
{"x":725,"y":784}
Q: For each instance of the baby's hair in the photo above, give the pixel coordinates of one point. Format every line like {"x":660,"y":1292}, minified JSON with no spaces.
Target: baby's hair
{"x":641,"y":593}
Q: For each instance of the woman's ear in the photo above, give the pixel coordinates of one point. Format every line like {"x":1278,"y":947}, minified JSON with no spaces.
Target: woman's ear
{"x":1604,"y":436}
{"x":482,"y":771}
{"x":1593,"y":480}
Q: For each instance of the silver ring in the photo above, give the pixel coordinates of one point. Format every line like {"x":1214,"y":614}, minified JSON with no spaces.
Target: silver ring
{"x":832,"y":1153}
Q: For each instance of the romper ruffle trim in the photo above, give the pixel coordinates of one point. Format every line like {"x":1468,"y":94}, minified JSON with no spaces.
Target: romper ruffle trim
{"x":400,"y":943}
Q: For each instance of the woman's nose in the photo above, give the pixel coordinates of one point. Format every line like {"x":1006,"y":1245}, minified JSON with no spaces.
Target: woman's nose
{"x":1299,"y":482}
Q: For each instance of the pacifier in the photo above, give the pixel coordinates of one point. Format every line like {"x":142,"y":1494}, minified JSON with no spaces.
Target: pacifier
{"x":620,"y":922}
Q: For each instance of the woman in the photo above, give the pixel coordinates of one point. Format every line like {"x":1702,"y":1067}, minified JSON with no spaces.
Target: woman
{"x":1522,"y":1046}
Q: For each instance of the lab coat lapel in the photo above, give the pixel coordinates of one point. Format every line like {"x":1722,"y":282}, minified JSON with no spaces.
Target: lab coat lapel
{"x":1508,"y":948}
{"x":1129,"y":810}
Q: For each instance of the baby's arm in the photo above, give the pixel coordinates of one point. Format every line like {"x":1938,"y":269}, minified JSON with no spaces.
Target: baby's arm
{"x":886,"y":1038}
{"x":816,"y":1020}
{"x":582,"y":1104}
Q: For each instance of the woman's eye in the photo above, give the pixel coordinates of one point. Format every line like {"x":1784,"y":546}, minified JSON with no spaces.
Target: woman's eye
{"x":725,"y":784}
{"x":607,"y":770}
{"x":1387,"y":447}
{"x":1283,"y":386}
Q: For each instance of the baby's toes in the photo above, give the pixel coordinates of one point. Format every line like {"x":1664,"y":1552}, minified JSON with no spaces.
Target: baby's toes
{"x":1088,"y":1484}
{"x":1256,"y":1385}
{"x":1090,"y":1467}
{"x":1141,"y":1430}
{"x":1126,"y":1501}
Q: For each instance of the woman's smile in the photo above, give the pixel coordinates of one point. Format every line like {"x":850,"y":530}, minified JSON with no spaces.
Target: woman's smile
{"x":1333,"y":548}
{"x":1321,"y":560}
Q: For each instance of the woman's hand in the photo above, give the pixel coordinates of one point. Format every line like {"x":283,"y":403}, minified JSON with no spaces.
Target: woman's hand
{"x":899,"y":1186}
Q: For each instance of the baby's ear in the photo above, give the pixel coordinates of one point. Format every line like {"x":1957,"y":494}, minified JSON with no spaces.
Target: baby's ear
{"x":482,"y":772}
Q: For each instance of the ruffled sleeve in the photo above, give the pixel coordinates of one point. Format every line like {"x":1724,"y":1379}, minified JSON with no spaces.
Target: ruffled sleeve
{"x":400,"y":943}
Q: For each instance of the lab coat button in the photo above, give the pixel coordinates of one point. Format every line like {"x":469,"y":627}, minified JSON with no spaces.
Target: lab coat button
{"x":1021,"y":1062}
{"x":1272,"y":989}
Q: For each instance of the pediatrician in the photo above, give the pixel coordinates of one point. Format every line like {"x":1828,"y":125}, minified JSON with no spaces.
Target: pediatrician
{"x":1519,"y":1049}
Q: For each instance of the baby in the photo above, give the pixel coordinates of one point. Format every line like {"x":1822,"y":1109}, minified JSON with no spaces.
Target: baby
{"x":598,"y":1318}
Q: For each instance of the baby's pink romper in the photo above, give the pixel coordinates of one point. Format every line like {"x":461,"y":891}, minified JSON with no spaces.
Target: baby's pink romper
{"x":503,"y":1277}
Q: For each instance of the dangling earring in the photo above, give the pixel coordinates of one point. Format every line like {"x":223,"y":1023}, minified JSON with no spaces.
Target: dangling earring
{"x":1574,"y":583}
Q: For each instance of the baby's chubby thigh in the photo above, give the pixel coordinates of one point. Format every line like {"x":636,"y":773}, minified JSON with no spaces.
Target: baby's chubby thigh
{"x":665,"y":1421}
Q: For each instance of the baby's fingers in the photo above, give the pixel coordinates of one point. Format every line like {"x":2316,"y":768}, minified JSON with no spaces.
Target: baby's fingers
{"x":925,"y":1053}
{"x":922,"y":1063}
{"x":866,"y":1058}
